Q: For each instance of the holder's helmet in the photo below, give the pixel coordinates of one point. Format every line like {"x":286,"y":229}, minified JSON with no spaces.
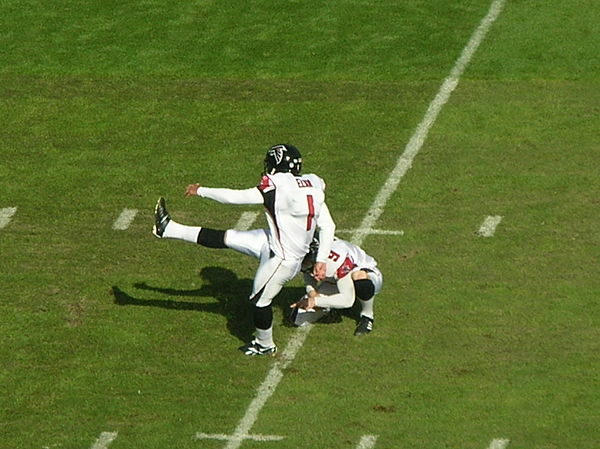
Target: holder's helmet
{"x":311,"y":257}
{"x":283,"y":158}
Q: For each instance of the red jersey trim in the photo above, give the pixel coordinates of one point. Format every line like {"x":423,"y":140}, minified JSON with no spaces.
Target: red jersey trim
{"x":346,"y":267}
{"x":266,"y":184}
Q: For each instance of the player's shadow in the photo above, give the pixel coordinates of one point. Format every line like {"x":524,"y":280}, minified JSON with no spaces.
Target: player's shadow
{"x":220,"y":283}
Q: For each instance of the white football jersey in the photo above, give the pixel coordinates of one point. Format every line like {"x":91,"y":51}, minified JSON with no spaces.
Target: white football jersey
{"x":337,"y":289}
{"x":344,"y":257}
{"x":293,"y":208}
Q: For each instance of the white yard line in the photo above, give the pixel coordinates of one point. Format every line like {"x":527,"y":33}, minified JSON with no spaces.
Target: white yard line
{"x":488,"y":227}
{"x":125,"y":219}
{"x":369,"y":231}
{"x":6,"y":215}
{"x":104,"y":440}
{"x":268,"y":386}
{"x":246,"y":220}
{"x":367,"y":442}
{"x":499,"y":443}
{"x":223,"y":437}
{"x":418,"y":138}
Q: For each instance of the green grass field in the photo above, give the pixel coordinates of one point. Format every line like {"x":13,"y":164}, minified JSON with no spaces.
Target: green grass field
{"x":109,"y":105}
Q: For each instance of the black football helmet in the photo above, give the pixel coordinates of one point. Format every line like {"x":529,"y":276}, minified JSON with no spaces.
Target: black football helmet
{"x":283,"y":158}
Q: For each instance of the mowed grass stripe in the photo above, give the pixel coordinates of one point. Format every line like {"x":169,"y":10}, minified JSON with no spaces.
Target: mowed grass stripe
{"x":482,"y":371}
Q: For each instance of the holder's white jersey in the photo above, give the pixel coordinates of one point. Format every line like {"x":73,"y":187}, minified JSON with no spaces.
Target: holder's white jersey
{"x":336,"y":291}
{"x":344,"y":257}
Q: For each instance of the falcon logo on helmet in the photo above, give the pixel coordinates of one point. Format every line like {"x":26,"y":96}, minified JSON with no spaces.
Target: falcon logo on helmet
{"x":283,"y":158}
{"x":277,"y":153}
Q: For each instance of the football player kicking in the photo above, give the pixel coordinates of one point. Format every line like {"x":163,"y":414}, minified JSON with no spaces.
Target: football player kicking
{"x":350,"y":273}
{"x":294,"y":207}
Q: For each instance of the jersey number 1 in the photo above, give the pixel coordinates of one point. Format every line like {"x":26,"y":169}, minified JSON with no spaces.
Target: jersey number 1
{"x":311,"y":212}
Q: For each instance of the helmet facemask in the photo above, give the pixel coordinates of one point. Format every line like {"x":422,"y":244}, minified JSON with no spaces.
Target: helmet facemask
{"x":311,"y":257}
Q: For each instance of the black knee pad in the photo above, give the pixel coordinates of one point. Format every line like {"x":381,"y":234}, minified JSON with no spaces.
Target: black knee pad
{"x":364,"y":289}
{"x":211,"y":238}
{"x":263,"y":317}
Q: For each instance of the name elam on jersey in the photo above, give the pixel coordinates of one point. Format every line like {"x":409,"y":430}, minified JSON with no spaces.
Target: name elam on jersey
{"x":266,"y":183}
{"x":303,"y":182}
